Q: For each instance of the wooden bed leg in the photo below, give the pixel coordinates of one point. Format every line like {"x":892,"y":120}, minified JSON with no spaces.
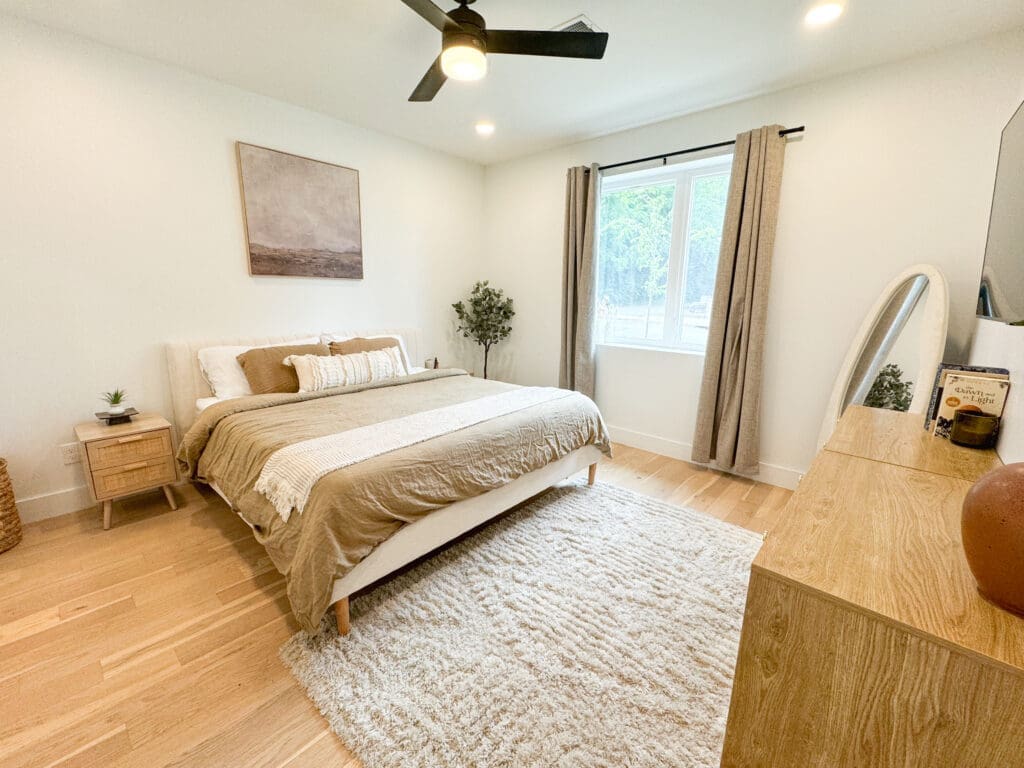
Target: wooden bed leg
{"x":592,"y":474}
{"x":341,"y":616}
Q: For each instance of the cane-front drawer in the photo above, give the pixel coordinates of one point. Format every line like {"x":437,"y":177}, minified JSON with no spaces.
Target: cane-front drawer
{"x":138,"y":476}
{"x":131,"y":449}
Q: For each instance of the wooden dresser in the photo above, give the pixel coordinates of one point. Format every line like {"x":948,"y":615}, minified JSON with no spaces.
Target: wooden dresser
{"x":127,"y":458}
{"x":865,"y":641}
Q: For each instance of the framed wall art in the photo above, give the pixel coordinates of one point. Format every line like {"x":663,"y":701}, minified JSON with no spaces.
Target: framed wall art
{"x":302,"y":216}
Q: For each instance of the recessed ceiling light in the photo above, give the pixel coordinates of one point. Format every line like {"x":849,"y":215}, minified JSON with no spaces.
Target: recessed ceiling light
{"x":823,"y":14}
{"x":485,"y":128}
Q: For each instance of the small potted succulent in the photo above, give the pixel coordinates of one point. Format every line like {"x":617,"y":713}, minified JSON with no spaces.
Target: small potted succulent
{"x":115,"y":401}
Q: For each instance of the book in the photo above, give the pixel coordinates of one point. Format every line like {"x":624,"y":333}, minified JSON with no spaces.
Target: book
{"x":968,"y":392}
{"x":940,"y":382}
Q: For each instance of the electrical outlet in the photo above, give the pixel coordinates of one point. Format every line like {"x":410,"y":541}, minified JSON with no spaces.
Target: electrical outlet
{"x":70,"y":453}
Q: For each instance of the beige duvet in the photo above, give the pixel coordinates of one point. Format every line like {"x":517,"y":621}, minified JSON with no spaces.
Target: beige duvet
{"x":352,"y":510}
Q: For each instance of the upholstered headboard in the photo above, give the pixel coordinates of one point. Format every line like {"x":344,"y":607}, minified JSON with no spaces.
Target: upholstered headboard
{"x":188,"y":383}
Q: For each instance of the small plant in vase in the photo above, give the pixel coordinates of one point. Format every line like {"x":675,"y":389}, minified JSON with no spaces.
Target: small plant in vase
{"x":485,"y":319}
{"x":115,"y":401}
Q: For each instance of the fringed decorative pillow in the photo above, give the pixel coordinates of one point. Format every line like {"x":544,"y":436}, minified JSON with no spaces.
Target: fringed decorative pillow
{"x":317,"y":373}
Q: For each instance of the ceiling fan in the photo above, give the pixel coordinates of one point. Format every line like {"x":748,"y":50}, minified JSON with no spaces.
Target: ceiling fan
{"x":466,"y":41}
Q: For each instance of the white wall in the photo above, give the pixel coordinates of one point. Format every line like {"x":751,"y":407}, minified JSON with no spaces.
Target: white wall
{"x":122,"y":229}
{"x":999,"y":345}
{"x":896,"y":167}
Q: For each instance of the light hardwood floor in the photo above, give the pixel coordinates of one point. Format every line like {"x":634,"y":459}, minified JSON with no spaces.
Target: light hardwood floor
{"x":155,"y":643}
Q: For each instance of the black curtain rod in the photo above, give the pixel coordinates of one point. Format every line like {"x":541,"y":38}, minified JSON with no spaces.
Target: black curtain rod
{"x":691,"y":150}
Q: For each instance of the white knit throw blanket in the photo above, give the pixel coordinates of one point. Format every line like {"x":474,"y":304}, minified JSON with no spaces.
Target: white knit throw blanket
{"x":291,"y":472}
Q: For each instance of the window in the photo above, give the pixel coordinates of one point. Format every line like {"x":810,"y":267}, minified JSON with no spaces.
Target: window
{"x":660,"y":233}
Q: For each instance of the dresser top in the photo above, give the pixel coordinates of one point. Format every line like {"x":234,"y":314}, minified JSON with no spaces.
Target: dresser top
{"x":900,"y":439}
{"x":875,"y":524}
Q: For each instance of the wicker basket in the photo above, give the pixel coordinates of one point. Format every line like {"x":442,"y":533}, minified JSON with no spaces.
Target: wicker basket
{"x":10,"y":523}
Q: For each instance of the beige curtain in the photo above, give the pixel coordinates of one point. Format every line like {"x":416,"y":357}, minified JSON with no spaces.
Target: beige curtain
{"x":728,"y":413}
{"x":576,"y":369}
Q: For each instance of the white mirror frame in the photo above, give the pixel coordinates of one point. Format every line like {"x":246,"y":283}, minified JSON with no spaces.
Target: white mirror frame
{"x":931,"y":345}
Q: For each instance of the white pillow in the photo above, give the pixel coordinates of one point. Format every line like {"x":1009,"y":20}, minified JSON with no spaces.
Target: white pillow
{"x":327,"y":338}
{"x":205,"y":402}
{"x":223,"y":373}
{"x":316,"y":372}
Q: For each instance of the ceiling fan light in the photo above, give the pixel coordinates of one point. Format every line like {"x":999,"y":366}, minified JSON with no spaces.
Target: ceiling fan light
{"x":463,"y":62}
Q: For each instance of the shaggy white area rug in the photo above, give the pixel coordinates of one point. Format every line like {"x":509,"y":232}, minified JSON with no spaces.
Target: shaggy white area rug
{"x":593,"y":627}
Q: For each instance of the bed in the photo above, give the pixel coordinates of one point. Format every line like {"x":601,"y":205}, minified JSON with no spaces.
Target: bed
{"x":359,"y":522}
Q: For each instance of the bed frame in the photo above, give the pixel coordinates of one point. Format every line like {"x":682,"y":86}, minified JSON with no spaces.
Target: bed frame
{"x":414,"y":540}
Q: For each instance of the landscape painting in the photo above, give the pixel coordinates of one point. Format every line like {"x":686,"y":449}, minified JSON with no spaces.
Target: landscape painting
{"x":301,"y":215}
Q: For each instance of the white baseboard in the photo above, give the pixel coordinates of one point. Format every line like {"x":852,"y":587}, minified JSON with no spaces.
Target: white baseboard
{"x":70,"y":500}
{"x":53,"y":504}
{"x":784,"y":477}
{"x":653,"y":443}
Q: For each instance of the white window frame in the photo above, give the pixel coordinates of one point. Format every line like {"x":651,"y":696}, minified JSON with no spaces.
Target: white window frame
{"x":683,"y":174}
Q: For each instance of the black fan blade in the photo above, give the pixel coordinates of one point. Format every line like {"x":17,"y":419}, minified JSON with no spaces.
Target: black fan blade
{"x":432,"y":13}
{"x":575,"y":45}
{"x":430,"y":84}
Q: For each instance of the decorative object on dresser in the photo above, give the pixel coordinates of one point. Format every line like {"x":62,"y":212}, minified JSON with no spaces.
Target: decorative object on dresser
{"x":10,"y":521}
{"x":879,"y":335}
{"x":993,"y":536}
{"x":486,"y":319}
{"x":124,"y":459}
{"x":865,"y":641}
{"x":943,"y":372}
{"x":974,"y":394}
{"x":974,"y":430}
{"x":302,"y":216}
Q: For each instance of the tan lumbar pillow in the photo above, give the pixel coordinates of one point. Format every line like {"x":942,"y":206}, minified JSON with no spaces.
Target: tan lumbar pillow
{"x":316,"y":372}
{"x":265,"y":369}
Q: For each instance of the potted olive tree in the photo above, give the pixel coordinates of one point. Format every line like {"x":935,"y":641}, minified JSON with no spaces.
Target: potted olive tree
{"x":484,"y":317}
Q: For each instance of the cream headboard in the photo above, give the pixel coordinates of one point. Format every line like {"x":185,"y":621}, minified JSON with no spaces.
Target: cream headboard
{"x":188,"y":384}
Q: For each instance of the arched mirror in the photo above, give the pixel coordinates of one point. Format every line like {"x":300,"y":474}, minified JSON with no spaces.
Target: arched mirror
{"x":893,"y":358}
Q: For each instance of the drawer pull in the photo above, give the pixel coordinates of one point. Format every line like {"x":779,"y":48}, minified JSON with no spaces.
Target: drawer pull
{"x":132,"y":439}
{"x":136,"y":465}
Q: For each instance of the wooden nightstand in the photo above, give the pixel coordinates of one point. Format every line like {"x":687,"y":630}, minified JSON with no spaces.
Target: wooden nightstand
{"x":127,"y":458}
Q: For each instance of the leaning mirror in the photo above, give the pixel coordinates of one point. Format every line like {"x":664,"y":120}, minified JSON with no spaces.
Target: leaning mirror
{"x":1001,"y":295}
{"x":904,"y":334}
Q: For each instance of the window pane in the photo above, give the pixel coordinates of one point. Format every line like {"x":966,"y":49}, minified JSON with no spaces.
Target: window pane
{"x":635,"y":249}
{"x":704,"y":239}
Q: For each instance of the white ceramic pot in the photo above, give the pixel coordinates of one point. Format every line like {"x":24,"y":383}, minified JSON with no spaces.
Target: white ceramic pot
{"x":116,"y":410}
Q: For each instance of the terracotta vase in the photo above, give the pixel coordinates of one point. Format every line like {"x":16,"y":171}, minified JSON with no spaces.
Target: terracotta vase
{"x":993,"y":535}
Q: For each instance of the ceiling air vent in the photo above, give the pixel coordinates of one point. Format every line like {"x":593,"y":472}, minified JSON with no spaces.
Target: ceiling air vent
{"x":579,"y":24}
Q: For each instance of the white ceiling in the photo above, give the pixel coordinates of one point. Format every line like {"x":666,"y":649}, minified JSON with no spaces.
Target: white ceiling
{"x":358,"y":60}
